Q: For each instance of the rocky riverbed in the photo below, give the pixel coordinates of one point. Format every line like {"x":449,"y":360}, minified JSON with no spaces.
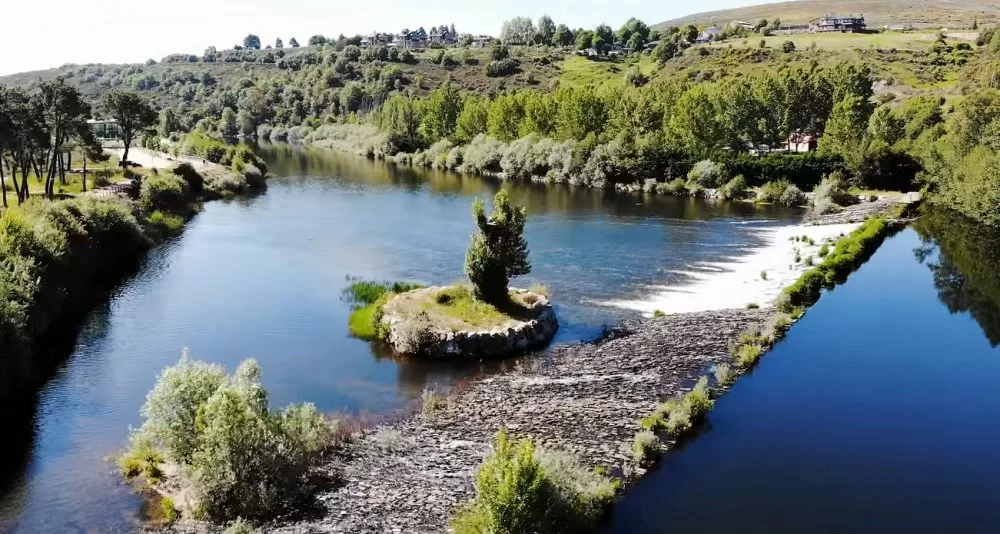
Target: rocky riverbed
{"x":585,"y":399}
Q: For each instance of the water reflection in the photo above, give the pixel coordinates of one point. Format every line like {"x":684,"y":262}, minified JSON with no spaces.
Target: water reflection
{"x":966,"y":267}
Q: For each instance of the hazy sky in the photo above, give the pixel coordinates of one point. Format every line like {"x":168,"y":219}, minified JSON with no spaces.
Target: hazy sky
{"x":116,"y":31}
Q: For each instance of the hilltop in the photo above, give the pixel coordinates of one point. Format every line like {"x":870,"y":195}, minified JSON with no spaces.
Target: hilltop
{"x":919,"y":13}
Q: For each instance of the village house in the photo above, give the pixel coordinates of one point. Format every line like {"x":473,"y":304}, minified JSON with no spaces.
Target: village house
{"x":839,"y":23}
{"x":482,"y":41}
{"x":709,"y":34}
{"x":741,"y":24}
{"x":801,"y":143}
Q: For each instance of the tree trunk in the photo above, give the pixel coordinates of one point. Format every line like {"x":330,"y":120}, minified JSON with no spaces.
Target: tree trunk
{"x":63,"y":168}
{"x":3,"y":180}
{"x":84,"y":174}
{"x":125,"y":154}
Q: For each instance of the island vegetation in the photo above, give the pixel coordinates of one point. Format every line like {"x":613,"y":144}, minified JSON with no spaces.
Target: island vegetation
{"x":468,"y":320}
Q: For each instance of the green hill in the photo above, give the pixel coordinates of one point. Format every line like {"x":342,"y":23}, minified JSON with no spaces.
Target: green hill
{"x":879,"y":13}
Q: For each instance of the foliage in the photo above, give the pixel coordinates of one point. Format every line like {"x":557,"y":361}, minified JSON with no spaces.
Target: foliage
{"x":521,"y":489}
{"x":367,"y":298}
{"x":643,"y":446}
{"x":708,"y":174}
{"x":164,"y":192}
{"x":169,"y":511}
{"x":734,"y":189}
{"x":498,"y":251}
{"x":678,"y":415}
{"x":240,"y":459}
{"x":831,"y":194}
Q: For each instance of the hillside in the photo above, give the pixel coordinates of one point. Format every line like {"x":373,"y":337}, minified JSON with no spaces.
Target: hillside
{"x":920,"y":13}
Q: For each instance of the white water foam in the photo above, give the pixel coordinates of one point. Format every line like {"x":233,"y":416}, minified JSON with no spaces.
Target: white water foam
{"x":719,"y":286}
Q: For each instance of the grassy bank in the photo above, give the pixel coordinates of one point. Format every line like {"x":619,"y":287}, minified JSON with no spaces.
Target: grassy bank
{"x":59,"y":256}
{"x":366,"y":300}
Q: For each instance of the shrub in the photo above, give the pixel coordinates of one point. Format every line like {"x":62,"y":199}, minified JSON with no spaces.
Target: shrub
{"x":675,"y":187}
{"x":644,"y":446}
{"x":512,"y":494}
{"x":498,"y":251}
{"x":254,"y":177}
{"x":788,"y":47}
{"x":724,"y":374}
{"x":771,"y":192}
{"x":501,"y":68}
{"x":165,"y":223}
{"x":657,"y":314}
{"x":734,"y":189}
{"x":172,"y":406}
{"x":708,"y":174}
{"x":747,"y":355}
{"x":169,"y":511}
{"x":240,"y":459}
{"x":753,"y":306}
{"x":240,"y":526}
{"x":432,"y":402}
{"x":832,"y":193}
{"x":163,"y":192}
{"x":195,"y":182}
{"x":792,"y":196}
{"x":521,"y":489}
{"x":824,"y":250}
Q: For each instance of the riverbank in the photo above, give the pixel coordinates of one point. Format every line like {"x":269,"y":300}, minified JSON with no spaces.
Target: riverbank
{"x":409,"y":475}
{"x":61,"y":257}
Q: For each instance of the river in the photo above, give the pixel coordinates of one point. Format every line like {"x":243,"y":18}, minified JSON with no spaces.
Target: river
{"x":878,"y":412}
{"x":263,"y":277}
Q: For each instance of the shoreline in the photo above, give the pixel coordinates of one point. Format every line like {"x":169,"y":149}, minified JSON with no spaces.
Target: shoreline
{"x":586,"y":399}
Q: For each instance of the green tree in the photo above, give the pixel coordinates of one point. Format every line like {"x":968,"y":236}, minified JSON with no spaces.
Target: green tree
{"x":696,"y":120}
{"x":473,"y":120}
{"x":563,"y":36}
{"x":546,"y":29}
{"x":605,"y":34}
{"x":278,"y":43}
{"x":691,"y":33}
{"x":251,"y":42}
{"x":788,"y":47}
{"x":845,"y":131}
{"x":498,"y":251}
{"x":506,"y":112}
{"x":402,"y":115}
{"x":885,"y":127}
{"x":442,"y":108}
{"x":581,"y":111}
{"x":229,"y":125}
{"x":585,"y":40}
{"x":133,"y":113}
{"x":518,"y":31}
{"x":632,"y":28}
{"x":293,"y":43}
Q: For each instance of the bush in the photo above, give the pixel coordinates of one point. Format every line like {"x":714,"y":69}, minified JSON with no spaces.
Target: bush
{"x":746,"y":356}
{"x":165,"y":223}
{"x":169,"y":511}
{"x":788,"y":47}
{"x":832,"y":193}
{"x":501,"y":68}
{"x":707,"y":174}
{"x":195,"y":182}
{"x":734,"y":189}
{"x":240,"y":526}
{"x":724,"y":375}
{"x":678,"y":415}
{"x":498,"y":251}
{"x":643,"y":446}
{"x":240,"y":459}
{"x":676,"y":187}
{"x":792,"y":196}
{"x":165,"y":193}
{"x":520,"y":489}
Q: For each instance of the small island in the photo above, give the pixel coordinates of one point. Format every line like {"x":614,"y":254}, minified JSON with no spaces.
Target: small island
{"x":485,"y":318}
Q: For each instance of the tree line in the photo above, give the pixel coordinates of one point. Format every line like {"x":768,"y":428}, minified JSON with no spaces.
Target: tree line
{"x":40,"y":130}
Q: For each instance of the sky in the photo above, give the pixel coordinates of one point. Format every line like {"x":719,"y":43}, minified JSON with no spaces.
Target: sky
{"x":132,"y":31}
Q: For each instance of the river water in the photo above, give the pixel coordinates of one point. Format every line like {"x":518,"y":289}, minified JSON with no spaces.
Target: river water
{"x":878,"y":413}
{"x":263,"y":278}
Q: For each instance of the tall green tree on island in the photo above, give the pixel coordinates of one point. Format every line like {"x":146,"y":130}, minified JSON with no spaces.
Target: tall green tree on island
{"x":133,"y":113}
{"x":498,"y":251}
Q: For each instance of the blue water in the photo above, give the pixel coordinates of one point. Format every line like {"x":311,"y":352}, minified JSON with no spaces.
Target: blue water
{"x":880,"y":411}
{"x":263,"y":278}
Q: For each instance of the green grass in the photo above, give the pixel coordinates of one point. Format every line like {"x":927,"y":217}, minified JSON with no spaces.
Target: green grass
{"x":367,"y":298}
{"x":458,"y":303}
{"x":170,"y":513}
{"x":578,"y":71}
{"x":918,"y":40}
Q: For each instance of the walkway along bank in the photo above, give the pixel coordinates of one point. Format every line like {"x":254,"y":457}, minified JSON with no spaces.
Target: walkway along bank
{"x":590,"y":400}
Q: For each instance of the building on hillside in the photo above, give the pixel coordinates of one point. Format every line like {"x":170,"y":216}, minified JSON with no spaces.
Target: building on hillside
{"x":482,"y":41}
{"x":709,"y":34}
{"x":442,"y":37}
{"x":741,"y":24}
{"x":839,"y":23}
